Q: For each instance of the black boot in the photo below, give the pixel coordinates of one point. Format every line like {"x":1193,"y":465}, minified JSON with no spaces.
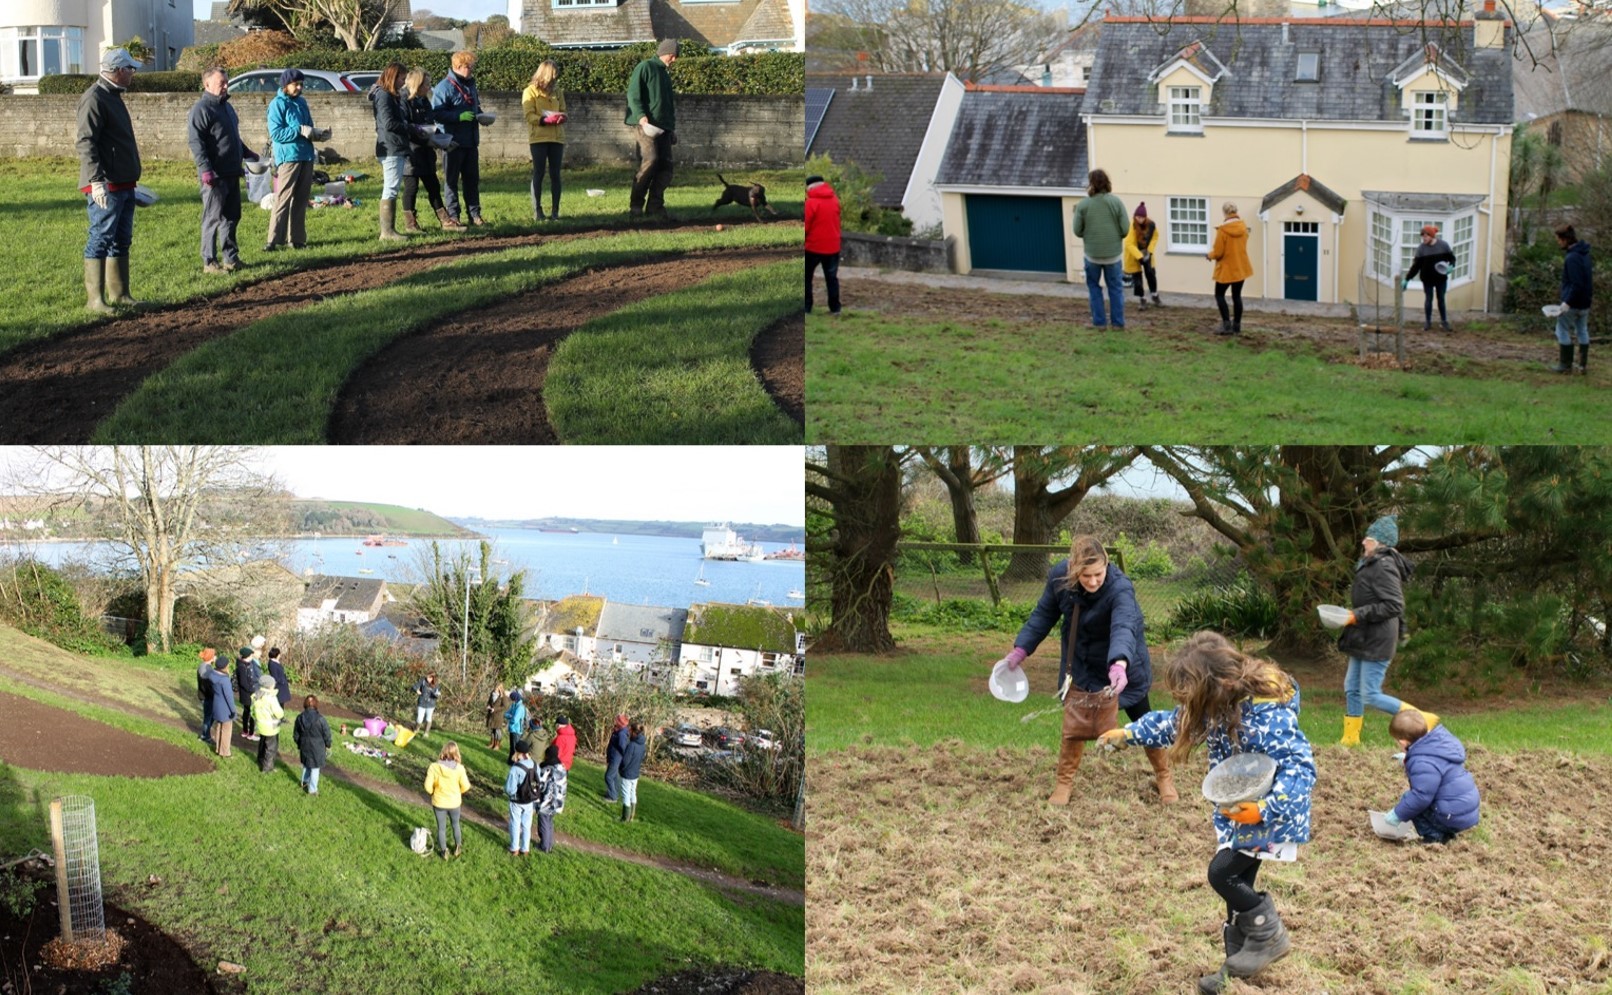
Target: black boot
{"x":1211,"y":984}
{"x":1584,"y":359}
{"x":1225,"y":326}
{"x":1236,"y":326}
{"x":1564,"y":364}
{"x":1265,"y":939}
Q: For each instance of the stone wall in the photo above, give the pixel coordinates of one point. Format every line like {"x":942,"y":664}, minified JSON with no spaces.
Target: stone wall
{"x":727,"y":132}
{"x":917,"y":255}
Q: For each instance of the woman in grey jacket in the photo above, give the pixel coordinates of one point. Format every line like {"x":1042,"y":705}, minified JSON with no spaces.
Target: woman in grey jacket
{"x":1372,"y":632}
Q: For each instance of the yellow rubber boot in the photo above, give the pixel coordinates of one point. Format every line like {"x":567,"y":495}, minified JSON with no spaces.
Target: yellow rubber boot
{"x":1432,"y":720}
{"x":1351,"y":729}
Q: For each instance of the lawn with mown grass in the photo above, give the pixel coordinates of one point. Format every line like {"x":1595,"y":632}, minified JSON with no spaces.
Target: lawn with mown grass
{"x":44,"y":288}
{"x":873,"y":376}
{"x":300,"y":361}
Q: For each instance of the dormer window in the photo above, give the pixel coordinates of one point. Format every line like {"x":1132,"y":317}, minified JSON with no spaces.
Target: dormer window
{"x":1429,"y":114}
{"x":1309,"y":68}
{"x":1186,"y":105}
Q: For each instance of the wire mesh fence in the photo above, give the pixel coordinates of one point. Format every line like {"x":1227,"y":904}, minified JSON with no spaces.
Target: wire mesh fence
{"x":79,"y":864}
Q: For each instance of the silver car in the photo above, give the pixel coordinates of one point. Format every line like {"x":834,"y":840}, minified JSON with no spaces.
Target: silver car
{"x":313,"y":81}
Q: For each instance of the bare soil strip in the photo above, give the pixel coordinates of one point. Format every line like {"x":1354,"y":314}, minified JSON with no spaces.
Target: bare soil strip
{"x":478,"y":380}
{"x":779,"y":357}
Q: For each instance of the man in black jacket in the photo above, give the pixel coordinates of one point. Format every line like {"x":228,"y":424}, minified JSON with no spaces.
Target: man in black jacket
{"x":214,"y":133}
{"x":1575,"y":316}
{"x":108,"y":170}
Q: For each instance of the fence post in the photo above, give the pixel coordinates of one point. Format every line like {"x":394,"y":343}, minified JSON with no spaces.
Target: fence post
{"x":990,"y":578}
{"x":63,"y":904}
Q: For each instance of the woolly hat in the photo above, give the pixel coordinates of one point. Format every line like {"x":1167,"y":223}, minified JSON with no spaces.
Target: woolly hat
{"x":562,"y":721}
{"x":667,"y":47}
{"x":515,"y":695}
{"x":207,"y":654}
{"x":266,"y":682}
{"x":813,"y":179}
{"x":1384,"y":531}
{"x":257,"y":642}
{"x":246,"y":651}
{"x":1430,"y":230}
{"x":523,"y":746}
{"x":1141,"y":210}
{"x":290,"y":76}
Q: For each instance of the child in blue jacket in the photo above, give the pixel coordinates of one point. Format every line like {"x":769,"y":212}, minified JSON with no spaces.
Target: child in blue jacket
{"x":1238,"y":704}
{"x":1443,"y":797}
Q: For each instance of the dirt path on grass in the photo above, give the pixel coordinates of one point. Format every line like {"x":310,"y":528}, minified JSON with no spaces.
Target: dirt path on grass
{"x":53,"y":739}
{"x":60,"y":388}
{"x":778,"y":356}
{"x":478,"y":380}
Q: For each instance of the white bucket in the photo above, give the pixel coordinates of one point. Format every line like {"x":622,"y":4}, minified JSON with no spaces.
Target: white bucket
{"x":336,"y":189}
{"x":1008,"y":684}
{"x":1333,"y":616}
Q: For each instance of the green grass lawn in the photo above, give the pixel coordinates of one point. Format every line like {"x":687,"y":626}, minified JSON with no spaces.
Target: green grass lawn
{"x":300,"y":365}
{"x":934,"y":690}
{"x":44,"y":290}
{"x":872,"y":377}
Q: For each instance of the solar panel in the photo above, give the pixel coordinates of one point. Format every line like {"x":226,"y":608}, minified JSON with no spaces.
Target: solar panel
{"x":816,"y":106}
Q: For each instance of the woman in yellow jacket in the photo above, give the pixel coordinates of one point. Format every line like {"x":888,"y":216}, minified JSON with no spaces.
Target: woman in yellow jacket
{"x":1140,"y":242}
{"x":446,"y":783}
{"x":1231,"y":268}
{"x":544,"y":107}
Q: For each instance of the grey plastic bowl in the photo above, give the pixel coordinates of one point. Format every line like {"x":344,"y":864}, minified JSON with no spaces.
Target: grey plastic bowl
{"x":1241,"y":777}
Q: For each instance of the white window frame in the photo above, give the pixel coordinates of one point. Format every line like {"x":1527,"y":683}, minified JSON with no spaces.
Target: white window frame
{"x":69,"y":51}
{"x":1403,"y":235}
{"x":1313,"y":61}
{"x":1185,"y":109}
{"x":1188,"y":224}
{"x":1430,"y":114}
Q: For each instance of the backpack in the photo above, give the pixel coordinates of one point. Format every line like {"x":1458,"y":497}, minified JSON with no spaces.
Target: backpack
{"x":420,"y":840}
{"x":526,"y":792}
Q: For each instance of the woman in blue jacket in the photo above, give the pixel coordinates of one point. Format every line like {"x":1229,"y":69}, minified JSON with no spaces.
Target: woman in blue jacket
{"x":293,"y":134}
{"x":455,"y":103}
{"x":1102,"y":648}
{"x":632,"y":763}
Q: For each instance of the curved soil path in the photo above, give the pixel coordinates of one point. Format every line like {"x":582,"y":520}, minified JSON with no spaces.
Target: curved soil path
{"x":43,"y":737}
{"x":779,"y":358}
{"x":478,"y":379}
{"x":60,"y":388}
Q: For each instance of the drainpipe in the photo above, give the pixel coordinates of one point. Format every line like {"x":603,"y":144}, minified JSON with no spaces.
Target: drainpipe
{"x":1488,"y":211}
{"x":1337,"y":291}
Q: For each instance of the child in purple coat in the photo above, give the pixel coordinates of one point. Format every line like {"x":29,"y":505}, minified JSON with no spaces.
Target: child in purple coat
{"x":1443,"y":797}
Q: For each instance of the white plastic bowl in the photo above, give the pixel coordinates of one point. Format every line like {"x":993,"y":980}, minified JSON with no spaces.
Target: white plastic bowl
{"x":1009,"y":685}
{"x":1552,"y":310}
{"x":487,"y":118}
{"x":1333,"y":616}
{"x":1241,"y":777}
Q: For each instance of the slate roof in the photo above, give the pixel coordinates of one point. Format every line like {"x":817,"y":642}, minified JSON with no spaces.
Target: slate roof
{"x":722,"y":24}
{"x":1571,"y":74}
{"x":1029,"y":137}
{"x":770,"y":21}
{"x":880,"y":129}
{"x":352,"y":594}
{"x":1329,"y":198}
{"x":588,"y":27}
{"x":1356,"y":60}
{"x":641,"y":623}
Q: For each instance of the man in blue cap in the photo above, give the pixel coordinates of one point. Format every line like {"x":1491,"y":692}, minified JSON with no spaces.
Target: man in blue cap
{"x":108,"y":171}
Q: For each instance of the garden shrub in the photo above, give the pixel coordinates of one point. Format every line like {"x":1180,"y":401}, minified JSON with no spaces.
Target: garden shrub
{"x":65,"y":83}
{"x":854,"y":185}
{"x":962,"y":614}
{"x":165,"y":82}
{"x":1151,"y":563}
{"x":1242,"y":609}
{"x":256,"y":48}
{"x":198,"y":58}
{"x":38,"y":600}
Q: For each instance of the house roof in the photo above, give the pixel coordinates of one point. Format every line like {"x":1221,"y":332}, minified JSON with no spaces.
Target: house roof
{"x":1357,"y":60}
{"x":770,"y":21}
{"x":447,"y":40}
{"x":1423,"y":203}
{"x":881,"y":128}
{"x":722,"y":24}
{"x":578,"y":611}
{"x":750,"y":627}
{"x":641,"y":623}
{"x":1329,"y":198}
{"x":586,"y":27}
{"x":1566,"y":72}
{"x":351,"y":593}
{"x":1023,"y":137}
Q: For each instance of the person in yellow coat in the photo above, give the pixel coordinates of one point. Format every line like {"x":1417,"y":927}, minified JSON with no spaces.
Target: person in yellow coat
{"x":544,"y":107}
{"x":1230,"y":255}
{"x":446,"y":782}
{"x":1140,"y":242}
{"x":267,"y":714}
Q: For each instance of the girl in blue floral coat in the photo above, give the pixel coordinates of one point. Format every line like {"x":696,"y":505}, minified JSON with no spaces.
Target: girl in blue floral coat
{"x":1238,"y":704}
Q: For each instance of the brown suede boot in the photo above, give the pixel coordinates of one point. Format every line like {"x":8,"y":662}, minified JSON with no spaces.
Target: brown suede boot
{"x":411,"y":221}
{"x":1161,"y":775}
{"x":448,"y":222}
{"x":1068,"y":763}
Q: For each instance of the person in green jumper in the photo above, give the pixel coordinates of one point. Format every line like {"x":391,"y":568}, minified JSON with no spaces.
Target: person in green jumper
{"x":651,"y":112}
{"x":1101,"y":224}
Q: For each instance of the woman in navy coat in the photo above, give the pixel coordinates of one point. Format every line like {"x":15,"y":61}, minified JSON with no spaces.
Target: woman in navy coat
{"x":1107,"y":650}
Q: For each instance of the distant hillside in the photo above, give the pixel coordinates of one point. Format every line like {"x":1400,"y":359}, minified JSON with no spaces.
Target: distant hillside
{"x":753,"y":531}
{"x":365,"y":518}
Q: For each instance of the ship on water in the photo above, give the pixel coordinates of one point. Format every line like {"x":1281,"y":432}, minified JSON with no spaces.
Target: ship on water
{"x":572,"y":530}
{"x":384,"y":541}
{"x":721,"y":543}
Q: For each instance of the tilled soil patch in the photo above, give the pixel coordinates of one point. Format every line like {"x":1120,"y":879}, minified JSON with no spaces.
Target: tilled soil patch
{"x":41,"y":737}
{"x":478,"y":380}
{"x":779,"y":357}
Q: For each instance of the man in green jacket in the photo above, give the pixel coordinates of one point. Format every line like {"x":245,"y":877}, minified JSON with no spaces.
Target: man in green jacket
{"x":651,"y":112}
{"x":1100,"y":224}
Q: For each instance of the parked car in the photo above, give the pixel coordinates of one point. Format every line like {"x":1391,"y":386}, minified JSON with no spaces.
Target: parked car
{"x":684,"y":735}
{"x":314,"y":81}
{"x":363,"y":80}
{"x":763,"y":738}
{"x":724,"y":738}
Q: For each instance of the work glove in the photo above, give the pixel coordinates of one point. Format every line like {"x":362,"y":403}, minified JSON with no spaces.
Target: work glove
{"x":1390,"y":818}
{"x":209,"y":178}
{"x":467,"y":116}
{"x":306,"y":131}
{"x":1114,"y":739}
{"x":1116,"y":677}
{"x":98,"y":194}
{"x":1350,"y":620}
{"x":1014,"y":658}
{"x":1147,"y":260}
{"x":1244,"y":813}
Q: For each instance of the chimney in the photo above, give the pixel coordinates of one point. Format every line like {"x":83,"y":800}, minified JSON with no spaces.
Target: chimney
{"x":1488,"y":28}
{"x":853,"y":84}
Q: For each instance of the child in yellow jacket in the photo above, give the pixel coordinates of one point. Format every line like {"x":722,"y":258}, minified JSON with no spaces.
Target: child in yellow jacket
{"x":1140,"y":243}
{"x":267,"y":714}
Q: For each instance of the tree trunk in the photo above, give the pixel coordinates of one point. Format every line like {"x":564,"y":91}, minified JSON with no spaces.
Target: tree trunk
{"x":866,"y":497}
{"x":957,"y":473}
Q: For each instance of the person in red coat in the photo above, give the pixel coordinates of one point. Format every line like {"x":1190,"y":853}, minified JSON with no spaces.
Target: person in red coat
{"x":565,"y":737}
{"x":823,"y":240}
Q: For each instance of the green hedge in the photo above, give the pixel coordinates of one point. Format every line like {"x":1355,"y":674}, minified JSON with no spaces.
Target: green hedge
{"x":169,"y":82}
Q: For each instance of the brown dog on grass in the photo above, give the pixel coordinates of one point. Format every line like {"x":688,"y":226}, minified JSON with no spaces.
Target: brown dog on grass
{"x":753,"y":196}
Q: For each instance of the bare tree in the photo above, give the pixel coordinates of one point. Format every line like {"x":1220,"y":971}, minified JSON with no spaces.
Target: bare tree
{"x":360,"y":24}
{"x":973,"y":39}
{"x":964,"y":471}
{"x":166,"y":508}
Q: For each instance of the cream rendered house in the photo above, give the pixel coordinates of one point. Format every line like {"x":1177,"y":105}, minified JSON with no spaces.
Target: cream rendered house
{"x":1338,"y":139}
{"x":46,"y":37}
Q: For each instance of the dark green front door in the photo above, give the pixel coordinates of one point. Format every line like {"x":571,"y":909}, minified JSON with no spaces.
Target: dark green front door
{"x":1301,"y":253}
{"x":1023,"y":233}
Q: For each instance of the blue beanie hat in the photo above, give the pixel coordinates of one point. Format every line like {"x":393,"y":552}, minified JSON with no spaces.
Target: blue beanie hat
{"x":1384,"y":531}
{"x":290,"y":76}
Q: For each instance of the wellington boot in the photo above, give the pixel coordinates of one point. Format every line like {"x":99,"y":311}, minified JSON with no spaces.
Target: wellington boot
{"x":411,"y":222}
{"x":1564,"y":362}
{"x":1068,"y":763}
{"x":632,"y":813}
{"x":1161,"y":775}
{"x":389,"y":222}
{"x":1583,"y":360}
{"x":1351,"y":729}
{"x":449,"y":223}
{"x":1432,"y":719}
{"x":95,"y":286}
{"x":1265,"y":940}
{"x":626,"y":813}
{"x":1211,"y":984}
{"x":117,"y":283}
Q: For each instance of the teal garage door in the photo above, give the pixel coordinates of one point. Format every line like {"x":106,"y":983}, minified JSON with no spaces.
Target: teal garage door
{"x":1022,"y":233}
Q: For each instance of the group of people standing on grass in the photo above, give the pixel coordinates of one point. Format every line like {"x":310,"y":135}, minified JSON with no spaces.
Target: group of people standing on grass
{"x":1236,"y":704}
{"x":257,"y":695}
{"x":412,"y":116}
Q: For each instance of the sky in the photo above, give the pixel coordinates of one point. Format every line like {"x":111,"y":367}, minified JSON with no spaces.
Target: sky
{"x":757,"y":484}
{"x":463,"y":10}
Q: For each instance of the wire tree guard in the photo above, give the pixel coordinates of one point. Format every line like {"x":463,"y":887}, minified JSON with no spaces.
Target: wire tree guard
{"x":78,"y":868}
{"x":1380,"y":311}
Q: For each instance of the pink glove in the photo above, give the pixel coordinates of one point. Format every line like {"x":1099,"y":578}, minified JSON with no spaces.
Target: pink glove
{"x":1014,"y":659}
{"x":208,"y":178}
{"x":1116,"y":677}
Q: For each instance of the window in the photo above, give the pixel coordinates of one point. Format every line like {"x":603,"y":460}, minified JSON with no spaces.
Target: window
{"x":1302,"y":227}
{"x":584,"y":3}
{"x":1428,"y":114}
{"x":1394,"y":238}
{"x":706,"y":654}
{"x":1185,"y":105}
{"x":42,"y":51}
{"x":1382,"y":227}
{"x":1189,"y":224}
{"x":1309,"y":68}
{"x":769,"y":660}
{"x":1085,"y":73}
{"x":571,"y":643}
